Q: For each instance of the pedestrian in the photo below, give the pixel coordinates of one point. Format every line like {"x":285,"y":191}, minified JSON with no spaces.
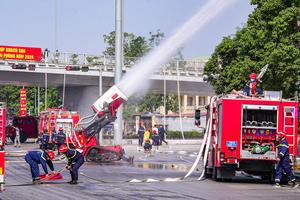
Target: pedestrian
{"x":17,"y":137}
{"x":61,"y":136}
{"x":75,"y":160}
{"x":155,"y":137}
{"x":283,"y":164}
{"x":46,"y":55}
{"x":162,"y":133}
{"x":56,"y":56}
{"x":141,"y":132}
{"x":34,"y":158}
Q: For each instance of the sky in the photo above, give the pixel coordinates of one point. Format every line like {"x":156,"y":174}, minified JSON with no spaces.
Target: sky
{"x":81,"y":24}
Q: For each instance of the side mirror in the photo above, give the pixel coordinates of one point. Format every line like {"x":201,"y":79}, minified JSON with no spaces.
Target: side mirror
{"x":197,"y":117}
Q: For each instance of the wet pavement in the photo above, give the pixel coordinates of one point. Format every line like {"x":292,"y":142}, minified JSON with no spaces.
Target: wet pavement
{"x":112,"y":180}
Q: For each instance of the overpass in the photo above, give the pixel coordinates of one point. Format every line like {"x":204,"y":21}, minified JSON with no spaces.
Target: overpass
{"x":84,"y":79}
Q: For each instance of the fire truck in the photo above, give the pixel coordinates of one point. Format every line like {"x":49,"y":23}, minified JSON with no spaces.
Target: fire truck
{"x":2,"y":125}
{"x":242,"y":134}
{"x":28,"y":128}
{"x":55,"y":118}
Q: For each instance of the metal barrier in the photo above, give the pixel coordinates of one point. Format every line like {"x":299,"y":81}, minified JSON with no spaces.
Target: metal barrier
{"x":107,"y":63}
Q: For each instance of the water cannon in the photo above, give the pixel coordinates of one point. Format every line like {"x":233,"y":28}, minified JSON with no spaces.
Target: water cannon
{"x":110,"y":100}
{"x":262,"y":72}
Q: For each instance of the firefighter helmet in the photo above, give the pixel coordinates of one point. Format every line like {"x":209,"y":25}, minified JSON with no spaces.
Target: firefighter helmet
{"x":51,"y":154}
{"x":252,"y":76}
{"x":60,"y":129}
{"x":63,"y":148}
{"x":281,"y":134}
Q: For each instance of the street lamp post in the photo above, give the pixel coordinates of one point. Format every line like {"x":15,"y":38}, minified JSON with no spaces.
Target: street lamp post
{"x":118,"y":133}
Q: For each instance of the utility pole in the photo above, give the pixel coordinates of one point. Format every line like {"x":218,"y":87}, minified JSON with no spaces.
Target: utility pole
{"x":118,"y":129}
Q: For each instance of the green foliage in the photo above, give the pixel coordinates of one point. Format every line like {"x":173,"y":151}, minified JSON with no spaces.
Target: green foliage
{"x":92,"y":60}
{"x":11,"y":96}
{"x":134,"y":46}
{"x":271,"y":36}
{"x":187,"y":134}
{"x":74,"y":59}
{"x":152,"y":102}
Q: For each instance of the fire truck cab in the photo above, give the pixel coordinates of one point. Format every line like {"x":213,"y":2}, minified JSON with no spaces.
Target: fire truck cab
{"x":244,"y":135}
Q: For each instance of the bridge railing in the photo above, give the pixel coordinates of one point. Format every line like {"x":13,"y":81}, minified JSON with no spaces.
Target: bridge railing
{"x":107,"y":63}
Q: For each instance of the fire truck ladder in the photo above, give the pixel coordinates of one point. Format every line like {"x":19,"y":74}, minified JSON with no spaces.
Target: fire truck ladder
{"x":289,"y":127}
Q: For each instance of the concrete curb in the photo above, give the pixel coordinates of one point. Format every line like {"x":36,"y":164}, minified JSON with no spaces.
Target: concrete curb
{"x":170,"y":142}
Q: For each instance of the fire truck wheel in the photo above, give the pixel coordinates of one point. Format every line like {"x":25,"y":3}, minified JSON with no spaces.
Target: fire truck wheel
{"x":12,"y":138}
{"x":23,"y":137}
{"x":207,"y":174}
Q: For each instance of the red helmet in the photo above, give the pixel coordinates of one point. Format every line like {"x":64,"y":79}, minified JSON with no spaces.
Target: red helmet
{"x":51,"y":154}
{"x":252,"y":76}
{"x":281,"y":134}
{"x":63,"y":148}
{"x":60,"y":129}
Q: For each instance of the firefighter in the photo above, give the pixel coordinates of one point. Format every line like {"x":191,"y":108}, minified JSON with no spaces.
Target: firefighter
{"x":155,"y":137}
{"x":250,"y":88}
{"x":284,"y":161}
{"x":34,"y":158}
{"x":141,"y":132}
{"x":44,"y":140}
{"x":60,"y":138}
{"x":75,"y":160}
{"x":162,"y":133}
{"x":147,"y":134}
{"x":147,"y":146}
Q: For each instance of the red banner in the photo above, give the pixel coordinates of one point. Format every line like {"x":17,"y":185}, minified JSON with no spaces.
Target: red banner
{"x":23,"y":102}
{"x":20,"y":53}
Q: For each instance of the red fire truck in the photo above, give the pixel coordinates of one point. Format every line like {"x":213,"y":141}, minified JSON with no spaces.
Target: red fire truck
{"x":244,"y":135}
{"x":55,"y":118}
{"x":28,"y":128}
{"x":2,"y":125}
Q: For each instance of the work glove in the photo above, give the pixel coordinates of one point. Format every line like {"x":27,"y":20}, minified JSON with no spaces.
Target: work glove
{"x":68,"y":167}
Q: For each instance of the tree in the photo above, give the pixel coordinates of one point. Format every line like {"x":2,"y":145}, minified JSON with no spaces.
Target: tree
{"x":11,"y":96}
{"x":134,"y":46}
{"x":271,"y":36}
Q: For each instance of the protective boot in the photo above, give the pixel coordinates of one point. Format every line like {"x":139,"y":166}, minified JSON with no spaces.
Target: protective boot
{"x":294,"y":184}
{"x":72,"y":179}
{"x":36,"y":181}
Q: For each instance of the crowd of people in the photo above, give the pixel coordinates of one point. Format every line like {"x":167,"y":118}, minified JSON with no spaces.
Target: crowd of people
{"x":148,"y":138}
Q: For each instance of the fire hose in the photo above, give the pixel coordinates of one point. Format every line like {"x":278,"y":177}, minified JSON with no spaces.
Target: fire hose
{"x":205,"y":143}
{"x":204,"y":148}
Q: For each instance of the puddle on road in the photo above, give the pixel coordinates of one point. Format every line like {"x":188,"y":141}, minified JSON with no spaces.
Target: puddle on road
{"x":159,"y":166}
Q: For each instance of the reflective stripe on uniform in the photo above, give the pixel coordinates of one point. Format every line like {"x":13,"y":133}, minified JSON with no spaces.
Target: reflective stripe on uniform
{"x":72,"y":156}
{"x":282,"y":145}
{"x":281,"y":153}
